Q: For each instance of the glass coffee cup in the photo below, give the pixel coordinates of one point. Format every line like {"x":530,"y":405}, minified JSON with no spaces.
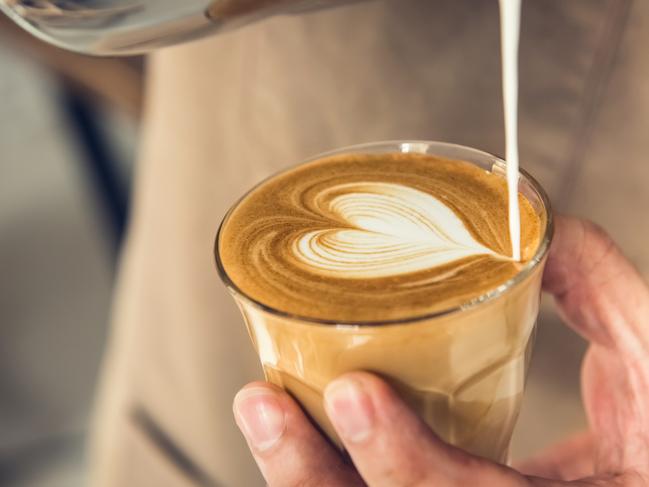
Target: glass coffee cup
{"x":462,"y":369}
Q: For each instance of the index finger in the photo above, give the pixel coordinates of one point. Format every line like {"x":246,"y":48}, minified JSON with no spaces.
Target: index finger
{"x":598,"y":291}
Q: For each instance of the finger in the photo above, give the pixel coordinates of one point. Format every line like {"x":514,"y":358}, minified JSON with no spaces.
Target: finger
{"x":391,"y":446}
{"x":616,"y":398}
{"x":604,"y":298}
{"x":569,"y":460}
{"x":285,"y":445}
{"x":599,"y":293}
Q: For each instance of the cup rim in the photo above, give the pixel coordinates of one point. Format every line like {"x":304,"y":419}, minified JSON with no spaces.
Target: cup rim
{"x":400,"y":146}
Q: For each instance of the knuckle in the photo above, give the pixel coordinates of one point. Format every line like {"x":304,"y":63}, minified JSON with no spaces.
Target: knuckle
{"x":597,"y":246}
{"x":596,"y":239}
{"x":594,"y":230}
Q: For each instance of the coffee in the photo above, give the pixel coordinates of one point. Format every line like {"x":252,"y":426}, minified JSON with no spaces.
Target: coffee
{"x":394,"y":258}
{"x":362,"y":237}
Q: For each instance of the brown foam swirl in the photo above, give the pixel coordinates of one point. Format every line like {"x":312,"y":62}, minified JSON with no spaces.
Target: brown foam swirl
{"x":374,"y":237}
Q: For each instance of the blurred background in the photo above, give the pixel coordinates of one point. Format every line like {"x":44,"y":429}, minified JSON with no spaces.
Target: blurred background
{"x":68,"y":133}
{"x":68,"y":126}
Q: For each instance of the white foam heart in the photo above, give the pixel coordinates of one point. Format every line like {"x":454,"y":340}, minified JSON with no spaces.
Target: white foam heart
{"x":396,"y":230}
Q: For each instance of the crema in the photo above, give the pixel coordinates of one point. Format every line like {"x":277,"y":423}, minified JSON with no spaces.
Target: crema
{"x":362,"y":237}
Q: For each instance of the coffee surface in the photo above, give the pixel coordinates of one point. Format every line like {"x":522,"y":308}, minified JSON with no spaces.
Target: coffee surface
{"x":360,"y":237}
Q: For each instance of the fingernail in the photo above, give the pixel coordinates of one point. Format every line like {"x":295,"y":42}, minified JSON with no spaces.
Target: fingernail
{"x":350,"y":409}
{"x":260,"y":417}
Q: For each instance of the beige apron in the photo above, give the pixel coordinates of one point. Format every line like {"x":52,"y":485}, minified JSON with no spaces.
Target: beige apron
{"x":225,"y":112}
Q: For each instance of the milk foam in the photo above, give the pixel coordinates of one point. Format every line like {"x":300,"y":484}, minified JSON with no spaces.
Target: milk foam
{"x":364,"y":236}
{"x":395,"y":230}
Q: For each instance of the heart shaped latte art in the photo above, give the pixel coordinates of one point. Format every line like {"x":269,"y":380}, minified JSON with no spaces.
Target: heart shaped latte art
{"x":391,"y":229}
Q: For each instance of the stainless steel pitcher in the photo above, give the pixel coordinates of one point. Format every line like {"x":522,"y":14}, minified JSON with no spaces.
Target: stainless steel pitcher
{"x":120,"y":27}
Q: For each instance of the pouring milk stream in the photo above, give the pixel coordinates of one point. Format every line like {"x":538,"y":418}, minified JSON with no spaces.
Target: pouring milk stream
{"x":510,"y":15}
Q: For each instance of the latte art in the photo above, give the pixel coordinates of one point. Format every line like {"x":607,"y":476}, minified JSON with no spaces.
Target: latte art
{"x":374,"y":237}
{"x":396,"y":230}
